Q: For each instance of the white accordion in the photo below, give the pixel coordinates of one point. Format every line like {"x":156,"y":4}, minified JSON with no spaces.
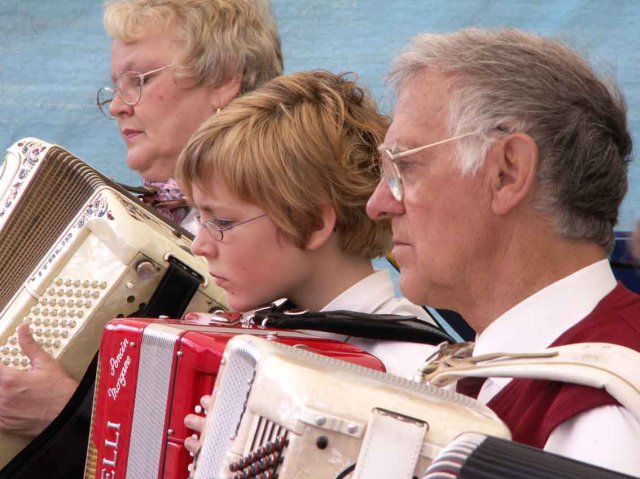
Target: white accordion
{"x":284,"y":412}
{"x":76,"y":251}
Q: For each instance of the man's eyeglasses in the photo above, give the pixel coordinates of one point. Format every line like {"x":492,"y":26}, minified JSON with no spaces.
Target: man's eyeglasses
{"x":216,"y":228}
{"x":128,"y":87}
{"x":391,"y":172}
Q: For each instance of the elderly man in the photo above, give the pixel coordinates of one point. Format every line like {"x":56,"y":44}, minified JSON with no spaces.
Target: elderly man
{"x":503,"y":170}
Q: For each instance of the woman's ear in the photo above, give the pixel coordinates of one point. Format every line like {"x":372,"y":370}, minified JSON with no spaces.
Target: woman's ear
{"x":513,"y":167}
{"x":320,"y":236}
{"x":222,"y":96}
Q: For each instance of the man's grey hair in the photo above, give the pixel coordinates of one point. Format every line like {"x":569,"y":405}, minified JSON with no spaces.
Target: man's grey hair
{"x":508,"y":79}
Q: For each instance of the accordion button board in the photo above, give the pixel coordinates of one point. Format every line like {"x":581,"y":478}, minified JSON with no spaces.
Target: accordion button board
{"x":77,"y":250}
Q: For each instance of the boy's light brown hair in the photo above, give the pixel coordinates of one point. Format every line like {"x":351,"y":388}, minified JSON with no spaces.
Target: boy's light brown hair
{"x":301,"y":141}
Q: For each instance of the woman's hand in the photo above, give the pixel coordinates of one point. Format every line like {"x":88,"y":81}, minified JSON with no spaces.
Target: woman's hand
{"x":30,"y":399}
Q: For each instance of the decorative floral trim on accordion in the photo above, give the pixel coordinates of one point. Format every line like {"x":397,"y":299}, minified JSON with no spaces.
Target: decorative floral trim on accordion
{"x":32,"y":153}
{"x":135,"y":212}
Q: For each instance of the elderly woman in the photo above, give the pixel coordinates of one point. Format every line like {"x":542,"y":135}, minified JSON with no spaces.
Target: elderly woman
{"x":280,"y":181}
{"x":174,"y":63}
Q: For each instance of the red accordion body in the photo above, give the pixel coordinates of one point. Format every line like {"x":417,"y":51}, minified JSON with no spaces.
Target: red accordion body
{"x":151,"y":374}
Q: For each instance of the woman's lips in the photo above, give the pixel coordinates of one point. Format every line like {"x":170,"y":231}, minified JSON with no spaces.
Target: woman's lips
{"x":128,"y":133}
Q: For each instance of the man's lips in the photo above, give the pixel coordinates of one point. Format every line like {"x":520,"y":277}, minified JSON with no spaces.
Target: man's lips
{"x":398,"y":242}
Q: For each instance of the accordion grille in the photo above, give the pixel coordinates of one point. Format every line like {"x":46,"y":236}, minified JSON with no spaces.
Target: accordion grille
{"x":60,"y":187}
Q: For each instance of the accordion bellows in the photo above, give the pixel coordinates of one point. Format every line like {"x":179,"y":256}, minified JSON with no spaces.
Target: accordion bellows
{"x":76,"y":250}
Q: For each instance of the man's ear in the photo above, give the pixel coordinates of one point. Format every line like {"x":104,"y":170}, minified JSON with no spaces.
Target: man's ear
{"x":222,"y":96}
{"x":514,"y":163}
{"x":319,"y":237}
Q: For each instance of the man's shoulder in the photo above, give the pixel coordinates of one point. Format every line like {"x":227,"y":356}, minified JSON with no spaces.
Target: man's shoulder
{"x":616,"y":320}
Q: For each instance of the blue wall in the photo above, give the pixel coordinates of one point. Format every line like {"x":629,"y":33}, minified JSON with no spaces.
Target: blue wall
{"x":54,"y":56}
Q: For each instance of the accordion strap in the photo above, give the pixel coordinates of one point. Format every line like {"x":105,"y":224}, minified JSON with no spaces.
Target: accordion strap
{"x":351,"y":323}
{"x":173,"y":293}
{"x":605,"y":366}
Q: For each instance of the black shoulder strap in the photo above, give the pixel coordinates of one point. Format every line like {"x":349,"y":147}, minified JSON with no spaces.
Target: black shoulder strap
{"x":351,"y":323}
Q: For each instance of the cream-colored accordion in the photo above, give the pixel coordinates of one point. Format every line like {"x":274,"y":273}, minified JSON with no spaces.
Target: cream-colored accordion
{"x":289,"y":413}
{"x":76,"y":250}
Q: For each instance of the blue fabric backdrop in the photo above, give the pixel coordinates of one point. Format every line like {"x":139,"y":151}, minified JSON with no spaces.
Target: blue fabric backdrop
{"x":54,"y":55}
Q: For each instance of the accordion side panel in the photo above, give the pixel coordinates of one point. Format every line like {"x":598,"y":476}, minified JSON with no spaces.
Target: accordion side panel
{"x":196,"y":359}
{"x":114,"y":400}
{"x":76,"y":252}
{"x":272,"y":398}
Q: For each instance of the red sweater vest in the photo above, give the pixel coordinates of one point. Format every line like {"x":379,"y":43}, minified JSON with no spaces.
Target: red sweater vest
{"x":534,"y":408}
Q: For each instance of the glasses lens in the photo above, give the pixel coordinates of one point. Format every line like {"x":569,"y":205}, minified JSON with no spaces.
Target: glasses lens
{"x":214,"y":233}
{"x":129,"y":88}
{"x":392,"y":176}
{"x":103,"y":99}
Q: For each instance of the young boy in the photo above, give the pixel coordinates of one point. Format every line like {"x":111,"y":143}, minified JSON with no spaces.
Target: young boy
{"x":280,"y":180}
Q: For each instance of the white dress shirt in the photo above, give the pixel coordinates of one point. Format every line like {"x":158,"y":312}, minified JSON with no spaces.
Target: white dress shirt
{"x":375,"y":294}
{"x":608,"y":436}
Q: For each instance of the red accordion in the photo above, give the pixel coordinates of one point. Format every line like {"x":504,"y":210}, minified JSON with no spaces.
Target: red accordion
{"x":152,"y":373}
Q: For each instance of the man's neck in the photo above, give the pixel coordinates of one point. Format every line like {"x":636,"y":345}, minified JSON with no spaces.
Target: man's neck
{"x":524,"y":271}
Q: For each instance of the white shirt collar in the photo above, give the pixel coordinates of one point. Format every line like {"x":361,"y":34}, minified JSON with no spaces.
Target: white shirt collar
{"x":359,"y":296}
{"x":537,"y":321}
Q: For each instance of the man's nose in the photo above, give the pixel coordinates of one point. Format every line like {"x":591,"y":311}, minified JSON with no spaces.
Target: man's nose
{"x":382,"y":204}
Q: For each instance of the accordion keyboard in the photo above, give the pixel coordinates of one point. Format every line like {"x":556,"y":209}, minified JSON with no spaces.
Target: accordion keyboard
{"x":266,"y":454}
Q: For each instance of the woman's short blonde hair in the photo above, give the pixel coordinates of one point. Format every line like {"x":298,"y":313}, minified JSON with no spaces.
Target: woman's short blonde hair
{"x":301,"y":141}
{"x":222,"y":38}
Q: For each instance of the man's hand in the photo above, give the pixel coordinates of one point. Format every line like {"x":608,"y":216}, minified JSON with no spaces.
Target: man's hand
{"x":31,"y":398}
{"x":196,"y":422}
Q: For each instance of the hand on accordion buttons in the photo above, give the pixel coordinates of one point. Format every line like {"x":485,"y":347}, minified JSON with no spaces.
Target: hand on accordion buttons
{"x":196,"y":422}
{"x":31,"y":398}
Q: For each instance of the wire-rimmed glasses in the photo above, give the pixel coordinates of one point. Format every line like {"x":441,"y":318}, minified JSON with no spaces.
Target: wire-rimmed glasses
{"x":217,"y":228}
{"x":128,"y":87}
{"x":391,"y":172}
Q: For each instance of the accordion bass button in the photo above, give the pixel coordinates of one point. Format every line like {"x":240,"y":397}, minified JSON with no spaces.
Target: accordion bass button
{"x":6,"y":361}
